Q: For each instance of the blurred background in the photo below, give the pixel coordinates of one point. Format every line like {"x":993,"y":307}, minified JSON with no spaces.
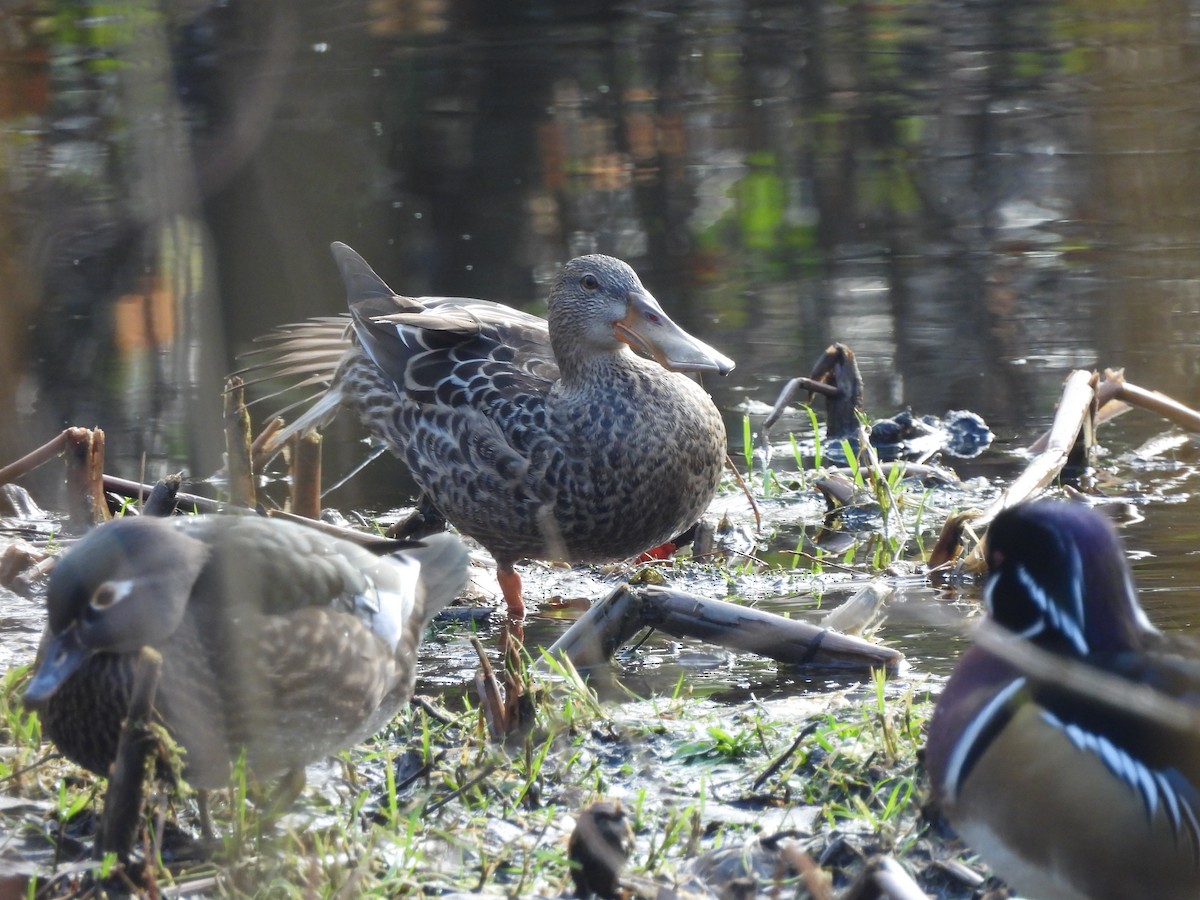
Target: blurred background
{"x":975,"y":195}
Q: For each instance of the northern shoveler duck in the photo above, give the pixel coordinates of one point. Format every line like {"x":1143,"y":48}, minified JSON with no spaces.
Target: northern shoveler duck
{"x":274,"y":638}
{"x":1080,"y":778}
{"x":540,"y":439}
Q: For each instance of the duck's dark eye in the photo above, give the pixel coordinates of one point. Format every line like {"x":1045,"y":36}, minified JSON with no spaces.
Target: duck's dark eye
{"x":590,"y":282}
{"x":105,"y":596}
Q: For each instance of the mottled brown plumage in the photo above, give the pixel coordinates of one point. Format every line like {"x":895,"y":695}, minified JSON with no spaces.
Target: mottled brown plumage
{"x":274,"y":638}
{"x":550,"y":440}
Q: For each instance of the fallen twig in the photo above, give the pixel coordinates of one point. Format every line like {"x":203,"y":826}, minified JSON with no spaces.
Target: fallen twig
{"x":612,"y":621}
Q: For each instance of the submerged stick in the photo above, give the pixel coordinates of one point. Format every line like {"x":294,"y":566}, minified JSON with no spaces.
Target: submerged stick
{"x":1084,"y":403}
{"x":1071,"y":417}
{"x":491,"y":700}
{"x":884,"y":879}
{"x":1116,"y":396}
{"x":163,"y":498}
{"x":611,"y":622}
{"x":788,"y":394}
{"x":135,"y":489}
{"x":601,"y":631}
{"x":363,"y":538}
{"x":788,"y":641}
{"x":862,"y":610}
{"x":30,"y":461}
{"x":1170,"y":409}
{"x":260,"y":455}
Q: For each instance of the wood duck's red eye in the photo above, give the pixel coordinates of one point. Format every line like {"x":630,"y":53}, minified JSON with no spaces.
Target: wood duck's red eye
{"x":590,"y":282}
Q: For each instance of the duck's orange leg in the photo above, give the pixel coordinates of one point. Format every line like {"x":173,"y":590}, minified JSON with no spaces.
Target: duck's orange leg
{"x":510,"y":586}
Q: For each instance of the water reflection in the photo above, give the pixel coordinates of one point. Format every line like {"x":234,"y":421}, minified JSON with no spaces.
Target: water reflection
{"x":976,"y":197}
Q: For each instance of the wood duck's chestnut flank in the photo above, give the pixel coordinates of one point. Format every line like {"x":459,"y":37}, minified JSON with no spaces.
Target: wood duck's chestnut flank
{"x":1064,"y":792}
{"x":540,"y":439}
{"x":274,"y":638}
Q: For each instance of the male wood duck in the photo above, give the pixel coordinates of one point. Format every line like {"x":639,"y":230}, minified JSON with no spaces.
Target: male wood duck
{"x":1068,"y":791}
{"x":274,"y":638}
{"x":540,"y":439}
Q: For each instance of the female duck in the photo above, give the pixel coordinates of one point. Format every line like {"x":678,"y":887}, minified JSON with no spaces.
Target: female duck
{"x":550,"y":440}
{"x":274,"y":639}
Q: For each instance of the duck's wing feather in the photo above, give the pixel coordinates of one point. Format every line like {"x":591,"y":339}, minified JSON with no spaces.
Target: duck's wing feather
{"x":279,"y":568}
{"x":462,"y":354}
{"x":448,"y":351}
{"x":455,"y":354}
{"x":310,"y":640}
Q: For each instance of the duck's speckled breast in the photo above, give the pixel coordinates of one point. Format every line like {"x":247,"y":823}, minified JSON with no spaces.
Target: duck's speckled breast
{"x":639,"y":462}
{"x":600,"y":472}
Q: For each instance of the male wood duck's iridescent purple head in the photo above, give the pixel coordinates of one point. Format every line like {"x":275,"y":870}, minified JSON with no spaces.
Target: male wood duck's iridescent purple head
{"x":275,"y":640}
{"x":540,"y":439}
{"x":1069,"y":792}
{"x":1057,"y":577}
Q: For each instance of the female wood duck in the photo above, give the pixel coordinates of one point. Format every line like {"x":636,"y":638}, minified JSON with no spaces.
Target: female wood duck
{"x":1066,"y":790}
{"x":274,"y":638}
{"x":549,"y":440}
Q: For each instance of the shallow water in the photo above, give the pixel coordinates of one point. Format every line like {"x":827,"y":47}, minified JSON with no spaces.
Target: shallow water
{"x":975,"y":197}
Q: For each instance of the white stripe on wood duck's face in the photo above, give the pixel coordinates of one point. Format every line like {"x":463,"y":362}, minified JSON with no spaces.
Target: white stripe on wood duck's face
{"x":1053,"y":613}
{"x":971,"y":734}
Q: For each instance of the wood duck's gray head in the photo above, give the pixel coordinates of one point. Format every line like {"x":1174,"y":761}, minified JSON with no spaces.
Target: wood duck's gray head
{"x":1057,"y":576}
{"x":121,"y":587}
{"x":599,"y":304}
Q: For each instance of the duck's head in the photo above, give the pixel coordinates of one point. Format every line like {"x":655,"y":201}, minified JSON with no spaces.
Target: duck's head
{"x":598,"y":304}
{"x":1058,"y":577}
{"x":125,"y":585}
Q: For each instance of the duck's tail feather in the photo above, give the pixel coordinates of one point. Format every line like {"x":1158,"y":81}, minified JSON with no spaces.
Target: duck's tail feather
{"x":445,"y":571}
{"x":296,"y":356}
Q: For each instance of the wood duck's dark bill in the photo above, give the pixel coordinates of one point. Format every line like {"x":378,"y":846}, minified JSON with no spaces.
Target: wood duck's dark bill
{"x":647,"y":329}
{"x":63,"y":657}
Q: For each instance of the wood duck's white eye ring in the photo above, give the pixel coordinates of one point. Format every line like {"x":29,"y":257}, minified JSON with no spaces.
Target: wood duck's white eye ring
{"x":110,"y":593}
